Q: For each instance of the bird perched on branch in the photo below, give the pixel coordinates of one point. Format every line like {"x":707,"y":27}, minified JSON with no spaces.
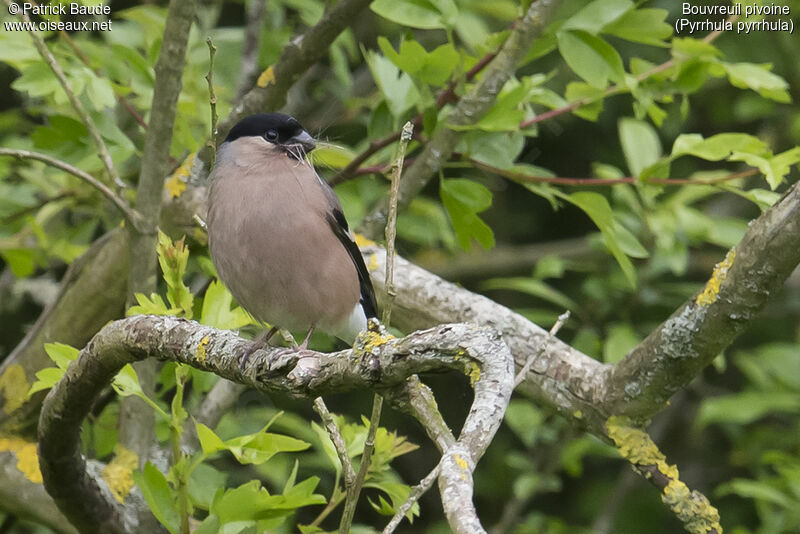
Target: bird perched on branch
{"x":278,"y":236}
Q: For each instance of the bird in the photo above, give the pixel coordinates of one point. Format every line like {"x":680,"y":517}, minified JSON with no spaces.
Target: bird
{"x":278,"y":237}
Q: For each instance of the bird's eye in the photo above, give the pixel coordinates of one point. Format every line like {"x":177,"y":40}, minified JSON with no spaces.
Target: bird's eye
{"x":271,"y":135}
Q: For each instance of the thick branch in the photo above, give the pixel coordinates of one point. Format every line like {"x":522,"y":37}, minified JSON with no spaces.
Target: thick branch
{"x":376,"y":363}
{"x":561,"y":376}
{"x":674,"y":353}
{"x":469,"y":110}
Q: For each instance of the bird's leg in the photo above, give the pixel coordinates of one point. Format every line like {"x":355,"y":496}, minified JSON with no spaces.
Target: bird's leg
{"x":304,"y":344}
{"x":259,"y":342}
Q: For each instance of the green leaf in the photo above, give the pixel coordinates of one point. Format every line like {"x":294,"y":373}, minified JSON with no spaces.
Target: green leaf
{"x":640,"y":144}
{"x":759,"y":79}
{"x":209,"y":441}
{"x":173,"y":258}
{"x":203,"y":483}
{"x":260,"y":447}
{"x":718,"y":147}
{"x":254,"y":448}
{"x":45,"y":379}
{"x":597,"y":208}
{"x":774,"y":168}
{"x":746,"y":407}
{"x":464,"y":199}
{"x":471,"y":194}
{"x":432,"y":67}
{"x":593,"y":17}
{"x":422,"y":14}
{"x":590,"y":57}
{"x":398,"y":493}
{"x":61,"y":354}
{"x":331,"y":156}
{"x":645,"y":26}
{"x":159,"y":497}
{"x":579,"y":91}
{"x":217,"y":310}
{"x":126,"y":382}
{"x":154,"y":305}
{"x":21,"y":261}
{"x":397,"y":87}
{"x":498,"y":149}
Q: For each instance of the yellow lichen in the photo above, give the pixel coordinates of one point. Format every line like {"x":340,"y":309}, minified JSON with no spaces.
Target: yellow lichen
{"x":711,"y":291}
{"x":201,"y":349}
{"x":691,"y":507}
{"x":473,"y":372}
{"x":363,"y":241}
{"x":13,"y":387}
{"x":577,"y":414}
{"x":462,"y":463}
{"x":27,"y":459}
{"x":118,"y":474}
{"x":369,"y":340}
{"x":176,"y":184}
{"x":267,"y":77}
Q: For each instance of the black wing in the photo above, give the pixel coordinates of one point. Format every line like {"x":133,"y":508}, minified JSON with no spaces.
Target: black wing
{"x":338,"y":224}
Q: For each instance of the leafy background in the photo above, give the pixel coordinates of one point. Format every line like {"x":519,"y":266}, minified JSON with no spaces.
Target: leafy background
{"x":620,"y":257}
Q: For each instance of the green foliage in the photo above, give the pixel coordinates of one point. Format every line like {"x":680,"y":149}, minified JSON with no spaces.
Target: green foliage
{"x":606,"y":92}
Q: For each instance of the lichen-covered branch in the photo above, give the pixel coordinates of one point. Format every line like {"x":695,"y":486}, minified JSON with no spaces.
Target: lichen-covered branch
{"x":561,"y":376}
{"x":692,"y":508}
{"x":469,"y":110}
{"x":376,"y":362}
{"x":675,"y":352}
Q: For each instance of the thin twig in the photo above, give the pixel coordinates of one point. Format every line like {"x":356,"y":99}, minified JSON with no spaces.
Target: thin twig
{"x":354,"y":490}
{"x":391,"y":222}
{"x":532,"y":358}
{"x":130,"y":215}
{"x":212,"y":100}
{"x":416,"y":492}
{"x":87,"y":121}
{"x":348,"y":472}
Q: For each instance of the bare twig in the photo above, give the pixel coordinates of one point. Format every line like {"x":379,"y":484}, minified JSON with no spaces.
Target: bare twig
{"x":130,"y":215}
{"x":348,"y":472}
{"x":391,"y":223}
{"x":416,"y":492}
{"x":212,"y":101}
{"x":354,"y":489}
{"x":523,"y":373}
{"x":87,"y":121}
